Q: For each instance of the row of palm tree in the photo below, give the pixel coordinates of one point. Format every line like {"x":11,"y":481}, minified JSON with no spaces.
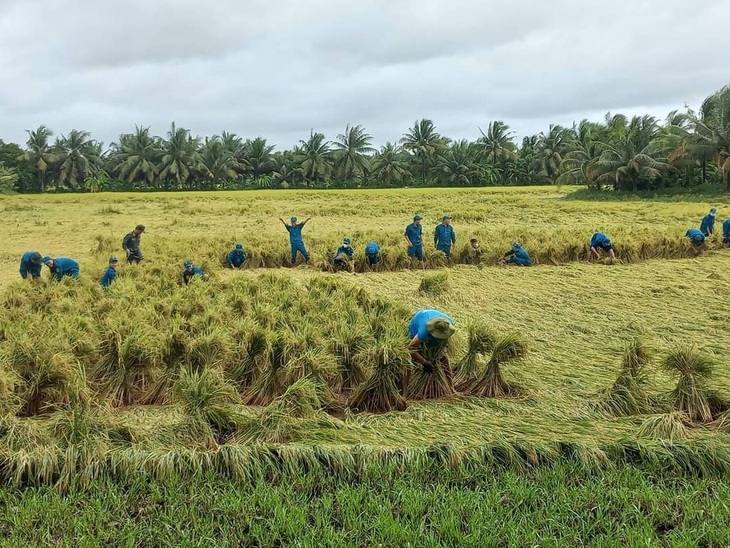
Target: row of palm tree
{"x":688,"y":148}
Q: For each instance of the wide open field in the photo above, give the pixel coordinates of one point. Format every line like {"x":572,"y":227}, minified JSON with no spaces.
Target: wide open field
{"x":575,"y":316}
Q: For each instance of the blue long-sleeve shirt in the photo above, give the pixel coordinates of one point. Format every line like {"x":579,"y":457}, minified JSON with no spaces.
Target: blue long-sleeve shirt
{"x":346,"y":250}
{"x":194,"y":271}
{"x":236,"y":258}
{"x":417,"y":325}
{"x":295,"y":233}
{"x":695,"y":235}
{"x":726,"y":228}
{"x":600,"y":239}
{"x":414,"y":233}
{"x":444,"y":236}
{"x":63,"y":266}
{"x":109,"y":276}
{"x":519,"y":256}
{"x":27,"y":267}
{"x":708,"y":225}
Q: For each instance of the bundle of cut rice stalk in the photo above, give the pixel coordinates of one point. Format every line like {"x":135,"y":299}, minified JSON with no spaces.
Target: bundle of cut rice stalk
{"x":439,"y":382}
{"x":387,"y":358}
{"x":691,"y":394}
{"x":491,"y":383}
{"x":628,"y":396}
{"x":480,"y":341}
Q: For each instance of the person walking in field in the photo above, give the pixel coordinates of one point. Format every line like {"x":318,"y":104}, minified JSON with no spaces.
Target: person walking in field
{"x":372,"y":254}
{"x":191,"y":271}
{"x":295,"y":238}
{"x":31,"y":265}
{"x":444,"y":236}
{"x":600,"y":240}
{"x":695,"y":236}
{"x":62,"y":266}
{"x":414,"y":239}
{"x":110,"y":274}
{"x":726,"y":233}
{"x":707,"y":227}
{"x":130,"y":244}
{"x":343,"y":257}
{"x":236,"y":257}
{"x":428,"y":330}
{"x":516,"y":256}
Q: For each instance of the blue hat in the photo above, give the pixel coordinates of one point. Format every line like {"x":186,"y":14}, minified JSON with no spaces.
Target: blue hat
{"x":417,"y":217}
{"x":113,"y":260}
{"x":188,"y":263}
{"x":239,"y":246}
{"x":517,"y":245}
{"x":35,"y":258}
{"x":293,"y":219}
{"x":607,"y":243}
{"x":713,"y":212}
{"x":446,"y":217}
{"x":346,"y":241}
{"x":47,"y":259}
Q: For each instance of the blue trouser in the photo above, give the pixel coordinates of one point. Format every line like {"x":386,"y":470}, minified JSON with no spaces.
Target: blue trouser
{"x":298,"y":247}
{"x":445,"y":248}
{"x":416,"y":251}
{"x":518,"y":261}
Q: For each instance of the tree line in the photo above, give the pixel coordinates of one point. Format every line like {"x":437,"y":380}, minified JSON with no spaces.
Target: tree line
{"x":688,"y":148}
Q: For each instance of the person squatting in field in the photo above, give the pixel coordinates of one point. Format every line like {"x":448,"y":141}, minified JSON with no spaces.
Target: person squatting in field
{"x":295,"y":238}
{"x":236,"y":257}
{"x":695,"y":236}
{"x":414,"y":238}
{"x":600,"y":240}
{"x":372,"y":254}
{"x":110,"y":274}
{"x":62,"y":266}
{"x":344,"y":255}
{"x":428,"y":330}
{"x":516,"y":255}
{"x":474,"y":254}
{"x":30,"y":264}
{"x":191,"y":271}
{"x":130,"y":244}
{"x":707,"y":226}
{"x":444,"y":236}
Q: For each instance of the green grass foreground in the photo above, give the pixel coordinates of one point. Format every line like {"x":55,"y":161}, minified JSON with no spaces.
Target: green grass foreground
{"x":559,"y":505}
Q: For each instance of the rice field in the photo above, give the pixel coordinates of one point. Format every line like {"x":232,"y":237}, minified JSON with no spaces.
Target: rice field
{"x":259,"y":375}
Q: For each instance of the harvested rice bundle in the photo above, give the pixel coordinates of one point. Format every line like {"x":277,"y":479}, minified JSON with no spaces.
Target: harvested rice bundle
{"x":691,"y":394}
{"x":628,"y":396}
{"x":380,"y":392}
{"x":667,"y":426}
{"x":480,"y":341}
{"x":491,"y":383}
{"x":438,"y":382}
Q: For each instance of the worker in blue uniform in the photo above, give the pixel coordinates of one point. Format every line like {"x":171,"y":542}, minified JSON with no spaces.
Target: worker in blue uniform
{"x":343,"y":257}
{"x":31,"y":265}
{"x":236,"y":257}
{"x":110,"y":274}
{"x":295,"y":238}
{"x":61,"y":266}
{"x":414,"y":238}
{"x":444,"y":236}
{"x":516,"y":256}
{"x":601,"y":241}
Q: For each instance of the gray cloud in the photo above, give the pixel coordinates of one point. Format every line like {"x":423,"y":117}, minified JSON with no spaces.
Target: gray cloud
{"x":280,"y":68}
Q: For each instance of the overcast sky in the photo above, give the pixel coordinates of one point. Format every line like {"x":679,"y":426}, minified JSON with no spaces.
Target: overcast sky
{"x":277,"y":68}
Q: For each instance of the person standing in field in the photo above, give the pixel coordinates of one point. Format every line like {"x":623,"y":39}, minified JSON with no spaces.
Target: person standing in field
{"x":236,"y":257}
{"x":600,"y":240}
{"x":130,"y":244}
{"x":372,"y":254}
{"x":110,"y":274}
{"x":344,"y":255}
{"x":428,"y":330}
{"x":192,"y":271}
{"x":707,"y":227}
{"x":414,"y":239}
{"x":295,"y":238}
{"x":62,"y":266}
{"x":31,"y":264}
{"x":726,"y":233}
{"x":444,"y":236}
{"x":695,"y":236}
{"x":516,"y":255}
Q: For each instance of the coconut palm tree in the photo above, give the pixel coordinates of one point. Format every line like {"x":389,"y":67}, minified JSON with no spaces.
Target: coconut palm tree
{"x":423,"y":142}
{"x":180,"y":156}
{"x":577,"y":163}
{"x":458,"y":165}
{"x":390,"y":164}
{"x":497,"y":143}
{"x":39,"y":152}
{"x":78,"y":157}
{"x":8,"y":178}
{"x":136,"y":156}
{"x":551,"y":149}
{"x":314,"y":157}
{"x":630,"y":154}
{"x":217,"y":161}
{"x":258,"y":157}
{"x":710,"y":139}
{"x":352,"y":152}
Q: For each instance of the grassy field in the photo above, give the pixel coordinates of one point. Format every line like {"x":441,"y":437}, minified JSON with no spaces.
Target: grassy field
{"x":576,"y":318}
